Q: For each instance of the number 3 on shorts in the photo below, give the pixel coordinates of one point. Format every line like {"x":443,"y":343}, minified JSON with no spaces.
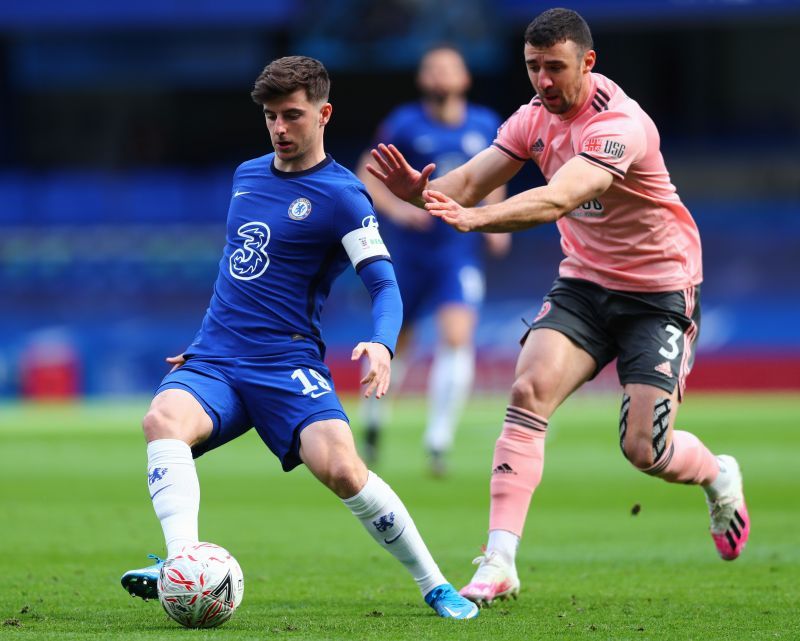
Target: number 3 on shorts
{"x":309,"y":389}
{"x":672,"y":342}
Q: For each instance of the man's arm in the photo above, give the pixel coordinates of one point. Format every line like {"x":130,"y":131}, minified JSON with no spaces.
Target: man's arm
{"x":468,"y":184}
{"x":577,"y":182}
{"x":387,"y":317}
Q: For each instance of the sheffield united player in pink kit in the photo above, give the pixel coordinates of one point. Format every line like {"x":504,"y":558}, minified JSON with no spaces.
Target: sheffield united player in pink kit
{"x":627,"y":288}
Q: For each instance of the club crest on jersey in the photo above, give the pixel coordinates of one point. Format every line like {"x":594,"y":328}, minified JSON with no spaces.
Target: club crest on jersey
{"x":543,"y":311}
{"x":300,"y":209}
{"x":602,"y":146}
{"x":369,"y":221}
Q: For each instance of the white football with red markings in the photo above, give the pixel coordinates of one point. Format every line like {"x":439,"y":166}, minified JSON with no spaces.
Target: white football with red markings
{"x":201,"y":586}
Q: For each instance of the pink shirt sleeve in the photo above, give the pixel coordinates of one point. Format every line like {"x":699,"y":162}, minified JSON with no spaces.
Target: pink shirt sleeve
{"x":613,"y":141}
{"x":512,"y":135}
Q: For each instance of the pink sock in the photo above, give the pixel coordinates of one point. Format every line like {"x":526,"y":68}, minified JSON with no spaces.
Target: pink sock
{"x":686,"y":461}
{"x":516,"y":469}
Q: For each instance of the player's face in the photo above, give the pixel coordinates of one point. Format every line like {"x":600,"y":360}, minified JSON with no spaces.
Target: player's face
{"x":559,"y":74}
{"x":296,"y":128}
{"x":442,"y":72}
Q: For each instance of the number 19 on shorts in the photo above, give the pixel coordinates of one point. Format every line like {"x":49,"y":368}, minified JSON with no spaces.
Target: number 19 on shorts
{"x":310,"y":389}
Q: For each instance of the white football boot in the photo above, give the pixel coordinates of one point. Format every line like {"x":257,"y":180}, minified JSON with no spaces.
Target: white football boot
{"x":495,"y":578}
{"x":730,"y":523}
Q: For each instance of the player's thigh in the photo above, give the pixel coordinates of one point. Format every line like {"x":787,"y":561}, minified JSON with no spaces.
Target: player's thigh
{"x":656,"y":334}
{"x":456,"y":323}
{"x":550,"y":367}
{"x":286,"y":394}
{"x":197,"y":404}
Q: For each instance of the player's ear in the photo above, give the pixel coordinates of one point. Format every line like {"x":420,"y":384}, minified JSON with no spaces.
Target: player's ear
{"x":325,"y":114}
{"x":589,"y":58}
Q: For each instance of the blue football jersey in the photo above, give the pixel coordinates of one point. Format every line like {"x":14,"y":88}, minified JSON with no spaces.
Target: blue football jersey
{"x":289,"y":235}
{"x":423,"y":140}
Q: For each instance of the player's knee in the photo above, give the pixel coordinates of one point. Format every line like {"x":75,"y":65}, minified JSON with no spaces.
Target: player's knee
{"x":158,"y":424}
{"x":345,"y":478}
{"x":643,"y":435}
{"x":638,"y":451}
{"x":533,"y":393}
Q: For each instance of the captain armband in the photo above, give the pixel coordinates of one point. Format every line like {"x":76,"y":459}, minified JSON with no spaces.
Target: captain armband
{"x":364,"y":245}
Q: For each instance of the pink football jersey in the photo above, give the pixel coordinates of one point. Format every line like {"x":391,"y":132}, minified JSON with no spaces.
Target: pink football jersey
{"x":638,"y":235}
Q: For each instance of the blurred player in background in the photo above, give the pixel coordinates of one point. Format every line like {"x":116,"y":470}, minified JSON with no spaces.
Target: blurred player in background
{"x":296,"y":219}
{"x":438,"y":269}
{"x":627,"y":289}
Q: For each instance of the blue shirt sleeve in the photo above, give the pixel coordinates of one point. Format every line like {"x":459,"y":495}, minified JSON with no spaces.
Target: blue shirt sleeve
{"x":353,"y":209}
{"x":387,"y":306}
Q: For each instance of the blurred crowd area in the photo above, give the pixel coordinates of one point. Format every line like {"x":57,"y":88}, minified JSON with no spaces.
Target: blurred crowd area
{"x":121,"y":125}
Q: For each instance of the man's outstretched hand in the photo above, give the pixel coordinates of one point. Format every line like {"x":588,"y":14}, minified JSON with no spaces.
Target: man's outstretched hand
{"x":444,"y":207}
{"x":400,"y":178}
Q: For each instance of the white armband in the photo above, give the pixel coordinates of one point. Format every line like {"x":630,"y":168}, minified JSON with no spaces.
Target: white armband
{"x":364,"y":243}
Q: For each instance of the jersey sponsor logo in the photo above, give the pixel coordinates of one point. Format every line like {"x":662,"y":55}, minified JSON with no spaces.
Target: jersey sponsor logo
{"x":300,"y":209}
{"x":369,"y":221}
{"x":538,"y":146}
{"x":611,"y":148}
{"x":590,"y":209}
{"x":251,"y":259}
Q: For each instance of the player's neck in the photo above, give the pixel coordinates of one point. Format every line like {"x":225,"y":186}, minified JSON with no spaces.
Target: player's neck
{"x":450,"y":109}
{"x":300,"y":163}
{"x":583,"y":97}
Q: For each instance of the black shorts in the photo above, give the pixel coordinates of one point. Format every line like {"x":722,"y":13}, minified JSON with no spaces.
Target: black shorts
{"x":653,"y":336}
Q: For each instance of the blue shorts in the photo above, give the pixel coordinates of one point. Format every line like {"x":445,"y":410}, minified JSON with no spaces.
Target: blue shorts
{"x":426,"y":287}
{"x":278,"y":395}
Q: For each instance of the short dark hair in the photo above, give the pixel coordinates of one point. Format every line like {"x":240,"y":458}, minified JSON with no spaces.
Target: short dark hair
{"x":559,"y":25}
{"x":290,"y":73}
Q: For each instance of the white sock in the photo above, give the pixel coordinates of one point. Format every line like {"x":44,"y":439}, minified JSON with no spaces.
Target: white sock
{"x":450,"y":382}
{"x":504,"y":542}
{"x":721,"y":484}
{"x":174,"y":490}
{"x":385,"y":517}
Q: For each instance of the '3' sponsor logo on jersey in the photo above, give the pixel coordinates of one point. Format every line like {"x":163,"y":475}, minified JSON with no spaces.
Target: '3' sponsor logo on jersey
{"x":251,"y":259}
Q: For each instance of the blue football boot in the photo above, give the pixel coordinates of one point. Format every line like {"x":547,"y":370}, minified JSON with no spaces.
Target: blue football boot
{"x":449,"y":604}
{"x":144,"y":581}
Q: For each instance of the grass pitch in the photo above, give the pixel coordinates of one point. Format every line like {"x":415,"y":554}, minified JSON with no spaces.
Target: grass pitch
{"x":74,"y":515}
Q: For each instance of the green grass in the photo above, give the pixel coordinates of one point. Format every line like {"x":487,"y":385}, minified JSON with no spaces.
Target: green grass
{"x":75,"y":515}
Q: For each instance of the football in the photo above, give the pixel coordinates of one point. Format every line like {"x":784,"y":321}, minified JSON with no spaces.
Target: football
{"x":202,"y":586}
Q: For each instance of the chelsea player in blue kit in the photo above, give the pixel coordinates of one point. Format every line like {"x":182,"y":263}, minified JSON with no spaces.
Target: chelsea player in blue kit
{"x":296,"y":219}
{"x":438,"y":269}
